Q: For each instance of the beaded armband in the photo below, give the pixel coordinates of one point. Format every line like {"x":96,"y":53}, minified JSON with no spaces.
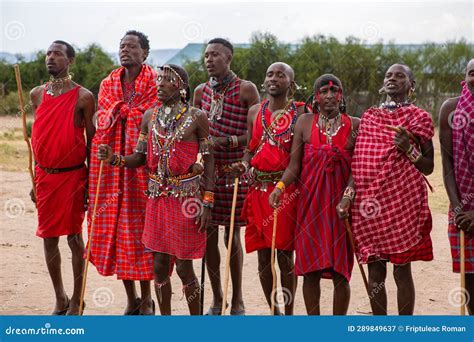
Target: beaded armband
{"x":142,"y":143}
{"x":349,"y":193}
{"x":118,"y":161}
{"x":413,"y":154}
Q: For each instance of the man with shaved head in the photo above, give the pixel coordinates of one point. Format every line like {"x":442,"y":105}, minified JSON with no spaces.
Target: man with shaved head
{"x":270,"y":135}
{"x":456,"y":123}
{"x":226,"y":99}
{"x":390,"y":214}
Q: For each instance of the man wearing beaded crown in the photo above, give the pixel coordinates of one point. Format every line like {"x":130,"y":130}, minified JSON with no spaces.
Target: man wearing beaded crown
{"x":171,"y":137}
{"x":456,"y":122}
{"x":226,"y":99}
{"x":116,"y":248}
{"x":270,"y":134}
{"x":390,"y":214}
{"x":63,"y":111}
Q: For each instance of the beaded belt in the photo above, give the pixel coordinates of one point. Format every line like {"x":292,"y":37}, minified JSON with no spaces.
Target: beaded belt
{"x":61,"y":169}
{"x":261,"y":179}
{"x":185,"y":185}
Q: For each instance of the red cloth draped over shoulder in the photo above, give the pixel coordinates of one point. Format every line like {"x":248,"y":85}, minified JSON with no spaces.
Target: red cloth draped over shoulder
{"x":58,"y":143}
{"x":321,"y":242}
{"x":257,"y":211}
{"x":391,"y":219}
{"x":118,"y":228}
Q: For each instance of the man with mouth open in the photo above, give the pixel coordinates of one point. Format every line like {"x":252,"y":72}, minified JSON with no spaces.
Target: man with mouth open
{"x":125,"y":94}
{"x":226,"y":99}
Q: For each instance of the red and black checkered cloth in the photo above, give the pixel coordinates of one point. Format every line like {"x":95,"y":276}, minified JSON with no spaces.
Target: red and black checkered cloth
{"x":462,"y":125}
{"x":232,"y":122}
{"x":116,"y":243}
{"x":390,"y":216}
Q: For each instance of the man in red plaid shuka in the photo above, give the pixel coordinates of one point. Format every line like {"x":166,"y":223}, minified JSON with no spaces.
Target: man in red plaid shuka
{"x":226,"y":99}
{"x":390,"y":215}
{"x":116,"y":246}
{"x":456,"y":121}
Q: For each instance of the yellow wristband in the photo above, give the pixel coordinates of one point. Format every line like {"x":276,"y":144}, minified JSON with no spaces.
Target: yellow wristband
{"x":280,"y":185}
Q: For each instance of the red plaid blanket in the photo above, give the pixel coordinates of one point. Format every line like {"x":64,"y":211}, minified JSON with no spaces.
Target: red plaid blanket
{"x":390,"y":212}
{"x":116,"y":244}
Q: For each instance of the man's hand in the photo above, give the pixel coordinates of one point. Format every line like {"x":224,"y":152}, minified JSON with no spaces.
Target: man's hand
{"x":465,"y":221}
{"x":274,"y":199}
{"x":105,"y":153}
{"x":204,"y":219}
{"x":237,"y":169}
{"x":342,"y":209}
{"x":222,"y":142}
{"x":401,"y":139}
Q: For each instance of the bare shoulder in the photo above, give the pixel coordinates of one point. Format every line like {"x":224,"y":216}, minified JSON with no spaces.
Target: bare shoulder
{"x":447,"y":108}
{"x":254,"y":109}
{"x":198,"y":114}
{"x":247,"y":86}
{"x":36,"y":91}
{"x":199,"y":90}
{"x":85,"y":95}
{"x":355,"y":122}
{"x":305,"y":118}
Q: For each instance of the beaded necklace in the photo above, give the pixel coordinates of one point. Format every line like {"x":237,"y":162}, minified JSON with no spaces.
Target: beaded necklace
{"x":57,"y":84}
{"x":165,"y":134}
{"x":270,"y":132}
{"x":329,"y":127}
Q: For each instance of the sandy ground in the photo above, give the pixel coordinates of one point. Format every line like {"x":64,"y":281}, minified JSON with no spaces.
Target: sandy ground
{"x":26,"y":287}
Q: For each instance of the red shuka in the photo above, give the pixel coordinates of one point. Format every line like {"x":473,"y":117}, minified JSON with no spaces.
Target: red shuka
{"x":57,"y":143}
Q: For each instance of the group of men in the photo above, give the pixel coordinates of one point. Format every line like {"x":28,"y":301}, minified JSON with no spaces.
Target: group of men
{"x":156,"y":154}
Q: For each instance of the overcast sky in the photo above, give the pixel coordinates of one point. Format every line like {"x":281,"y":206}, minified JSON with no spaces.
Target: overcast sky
{"x":32,"y":25}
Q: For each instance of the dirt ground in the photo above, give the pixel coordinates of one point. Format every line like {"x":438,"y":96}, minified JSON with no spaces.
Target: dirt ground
{"x":26,"y":288}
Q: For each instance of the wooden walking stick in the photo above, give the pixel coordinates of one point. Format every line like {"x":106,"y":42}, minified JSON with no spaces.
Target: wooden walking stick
{"x":463,"y":274}
{"x":274,"y":275}
{"x":361,"y":268}
{"x":86,"y":265}
{"x":229,"y":246}
{"x":203,"y":280}
{"x":16,"y":67}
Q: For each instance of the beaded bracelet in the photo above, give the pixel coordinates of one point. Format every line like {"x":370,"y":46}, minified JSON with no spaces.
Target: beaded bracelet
{"x":208,"y":200}
{"x":413,"y":154}
{"x":235,"y":141}
{"x":349,"y":193}
{"x":280,"y":185}
{"x":118,"y":161}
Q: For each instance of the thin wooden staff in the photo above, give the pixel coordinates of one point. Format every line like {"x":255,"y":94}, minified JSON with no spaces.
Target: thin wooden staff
{"x":16,"y":67}
{"x":203,"y":281}
{"x":274,"y":275}
{"x":463,"y":274}
{"x":86,"y":265}
{"x":361,"y":268}
{"x":229,"y":246}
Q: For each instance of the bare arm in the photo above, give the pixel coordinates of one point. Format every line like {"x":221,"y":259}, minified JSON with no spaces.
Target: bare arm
{"x":197,"y":98}
{"x":202,"y":134}
{"x":446,"y":142}
{"x":87,"y":107}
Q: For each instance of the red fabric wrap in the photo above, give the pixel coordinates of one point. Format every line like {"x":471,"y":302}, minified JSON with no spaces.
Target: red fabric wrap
{"x":321,"y":242}
{"x":57,"y":143}
{"x":391,"y":217}
{"x":118,"y":228}
{"x":170,"y":223}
